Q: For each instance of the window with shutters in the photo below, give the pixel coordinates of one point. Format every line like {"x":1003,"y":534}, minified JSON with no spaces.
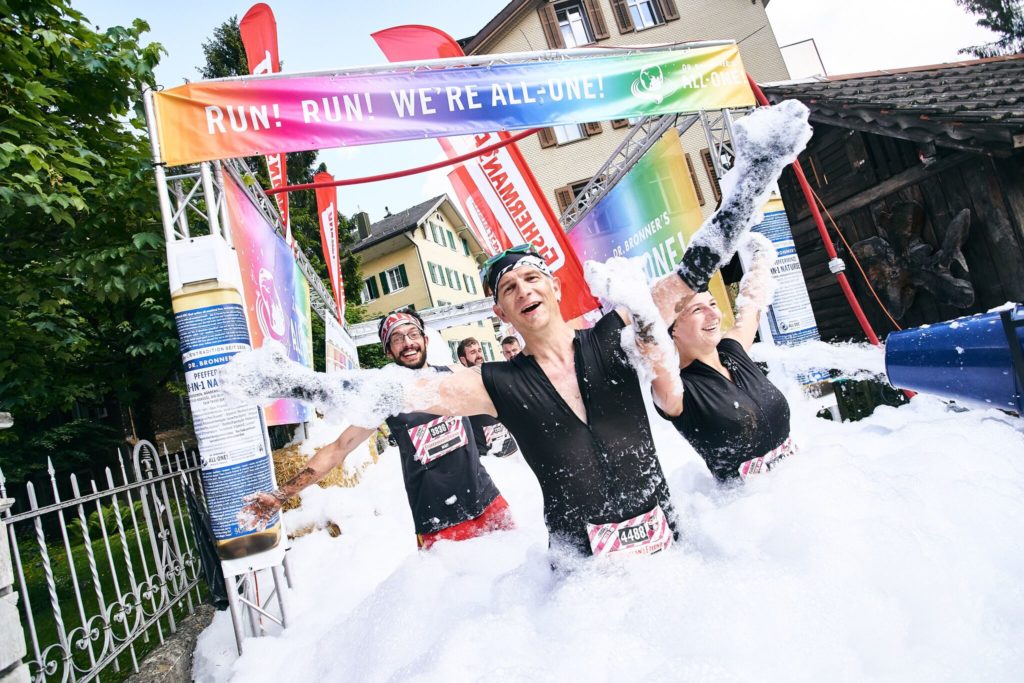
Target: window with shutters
{"x":394,"y":279}
{"x":568,"y":133}
{"x":488,"y":351}
{"x":369,"y":291}
{"x":693,"y":178}
{"x":567,"y":194}
{"x":454,"y":346}
{"x":470,"y":283}
{"x":432,"y":269}
{"x":637,"y":15}
{"x":465,"y":246}
{"x":644,"y":13}
{"x":573,"y":24}
{"x":453,"y":279}
{"x":451,"y":239}
{"x":709,"y":168}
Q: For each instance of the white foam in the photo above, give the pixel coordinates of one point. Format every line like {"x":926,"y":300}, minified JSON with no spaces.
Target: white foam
{"x":766,"y":141}
{"x":884,"y":550}
{"x":622,"y":283}
{"x":757,"y":287}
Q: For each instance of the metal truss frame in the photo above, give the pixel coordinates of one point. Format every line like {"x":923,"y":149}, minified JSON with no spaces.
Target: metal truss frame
{"x":718,"y":130}
{"x":640,"y":138}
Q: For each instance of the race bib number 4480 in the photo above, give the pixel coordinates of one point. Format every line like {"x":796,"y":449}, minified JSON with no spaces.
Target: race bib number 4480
{"x":437,"y":437}
{"x":641,"y":535}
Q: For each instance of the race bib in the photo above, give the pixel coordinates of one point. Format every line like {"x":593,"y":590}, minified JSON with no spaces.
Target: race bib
{"x":642,"y":535}
{"x":762,"y":464}
{"x":496,"y":436}
{"x":437,"y":437}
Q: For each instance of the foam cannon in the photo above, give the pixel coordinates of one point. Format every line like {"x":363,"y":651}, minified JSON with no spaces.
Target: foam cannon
{"x":976,"y":360}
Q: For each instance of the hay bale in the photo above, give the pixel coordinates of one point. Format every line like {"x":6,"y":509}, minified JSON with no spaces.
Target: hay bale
{"x":288,"y":462}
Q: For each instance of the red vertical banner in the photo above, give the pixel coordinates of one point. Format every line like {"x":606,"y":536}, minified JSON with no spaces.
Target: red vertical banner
{"x":327,"y":209}
{"x":482,"y":221}
{"x":259,"y":37}
{"x":498,"y":192}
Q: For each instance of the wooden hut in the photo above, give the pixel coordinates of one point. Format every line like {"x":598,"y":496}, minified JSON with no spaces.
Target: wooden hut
{"x":923,"y":171}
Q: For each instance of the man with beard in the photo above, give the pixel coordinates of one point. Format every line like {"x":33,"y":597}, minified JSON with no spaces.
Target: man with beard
{"x":451,"y":496}
{"x":510,"y":347}
{"x":571,"y":399}
{"x":491,"y":436}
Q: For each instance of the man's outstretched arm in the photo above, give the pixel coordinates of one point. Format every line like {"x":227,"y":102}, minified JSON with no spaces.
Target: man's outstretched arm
{"x":260,"y":507}
{"x":363,"y":397}
{"x":460,"y":392}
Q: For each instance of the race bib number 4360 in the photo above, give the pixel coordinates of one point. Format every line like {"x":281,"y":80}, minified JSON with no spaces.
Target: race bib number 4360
{"x":437,"y":437}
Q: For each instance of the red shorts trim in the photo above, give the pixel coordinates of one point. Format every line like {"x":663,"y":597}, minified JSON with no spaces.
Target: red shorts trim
{"x":495,"y":517}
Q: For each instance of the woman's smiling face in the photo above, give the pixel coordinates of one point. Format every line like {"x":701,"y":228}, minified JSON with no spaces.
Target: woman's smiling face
{"x":698,"y":327}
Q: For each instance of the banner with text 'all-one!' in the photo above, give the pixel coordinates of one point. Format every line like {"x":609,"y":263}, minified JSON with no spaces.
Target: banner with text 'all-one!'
{"x":258,"y":115}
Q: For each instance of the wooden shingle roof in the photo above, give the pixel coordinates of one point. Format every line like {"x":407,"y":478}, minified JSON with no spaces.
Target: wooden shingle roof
{"x":974,"y":106}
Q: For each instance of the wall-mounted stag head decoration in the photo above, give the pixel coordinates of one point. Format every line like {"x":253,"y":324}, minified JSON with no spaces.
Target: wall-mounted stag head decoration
{"x":898,"y":266}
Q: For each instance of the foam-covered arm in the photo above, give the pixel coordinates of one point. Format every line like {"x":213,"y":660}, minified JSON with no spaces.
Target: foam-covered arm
{"x":757,"y":287}
{"x":765,"y":142}
{"x":622,"y":283}
{"x":364,"y":397}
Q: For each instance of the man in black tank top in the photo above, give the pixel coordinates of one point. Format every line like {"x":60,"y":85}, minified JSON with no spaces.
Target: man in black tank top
{"x":450,"y":494}
{"x":492,"y":438}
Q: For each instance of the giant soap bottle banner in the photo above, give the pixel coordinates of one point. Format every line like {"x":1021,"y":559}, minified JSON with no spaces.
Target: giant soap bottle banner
{"x":276,"y":293}
{"x":651,"y":213}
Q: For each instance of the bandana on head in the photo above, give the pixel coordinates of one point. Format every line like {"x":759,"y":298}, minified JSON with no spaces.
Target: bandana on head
{"x":394,"y":321}
{"x":512,"y":262}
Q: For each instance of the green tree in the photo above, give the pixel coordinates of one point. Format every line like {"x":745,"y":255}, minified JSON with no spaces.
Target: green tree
{"x":87,"y":325}
{"x":1004,"y":18}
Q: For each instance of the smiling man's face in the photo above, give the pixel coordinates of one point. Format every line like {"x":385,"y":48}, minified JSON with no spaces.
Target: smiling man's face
{"x":408,"y":347}
{"x":528,"y":298}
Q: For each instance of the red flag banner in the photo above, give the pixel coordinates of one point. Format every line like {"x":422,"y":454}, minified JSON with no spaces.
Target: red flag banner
{"x":259,"y":37}
{"x":482,"y":221}
{"x":498,"y":192}
{"x":327,"y":208}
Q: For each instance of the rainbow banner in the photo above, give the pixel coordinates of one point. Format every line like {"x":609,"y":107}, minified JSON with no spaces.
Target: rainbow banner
{"x":276,"y":293}
{"x":651,"y":213}
{"x":258,"y":115}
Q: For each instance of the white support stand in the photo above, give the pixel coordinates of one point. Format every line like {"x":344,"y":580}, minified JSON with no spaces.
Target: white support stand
{"x":247,"y":604}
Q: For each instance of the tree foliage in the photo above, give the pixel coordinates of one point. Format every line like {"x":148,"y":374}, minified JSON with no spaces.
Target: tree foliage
{"x":1003,"y":17}
{"x":82,"y":266}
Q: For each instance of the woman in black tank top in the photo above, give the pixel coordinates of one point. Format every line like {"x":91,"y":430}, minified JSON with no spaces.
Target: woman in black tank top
{"x":735,"y":419}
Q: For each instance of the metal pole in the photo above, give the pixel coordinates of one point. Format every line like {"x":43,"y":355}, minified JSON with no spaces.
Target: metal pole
{"x":236,"y":617}
{"x":279,"y":586}
{"x":222,"y":205}
{"x":211,"y":209}
{"x":163,"y":195}
{"x":830,"y":249}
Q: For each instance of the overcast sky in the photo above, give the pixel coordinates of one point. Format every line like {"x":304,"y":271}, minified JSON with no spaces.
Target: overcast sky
{"x":851,"y":37}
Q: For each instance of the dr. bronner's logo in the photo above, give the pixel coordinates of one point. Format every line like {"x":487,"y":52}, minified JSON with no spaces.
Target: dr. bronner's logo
{"x":269,"y":311}
{"x":649,"y":84}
